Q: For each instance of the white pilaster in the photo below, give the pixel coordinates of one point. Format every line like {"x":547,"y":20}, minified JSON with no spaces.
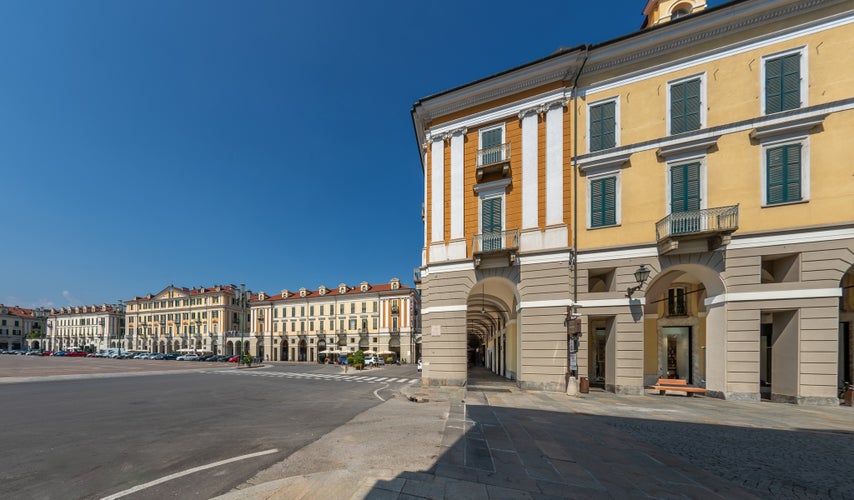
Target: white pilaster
{"x":554,"y":165}
{"x":437,"y":184}
{"x":529,"y":169}
{"x":457,"y":197}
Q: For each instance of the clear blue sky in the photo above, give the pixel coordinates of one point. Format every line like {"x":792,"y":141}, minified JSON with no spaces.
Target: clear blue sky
{"x":144,"y":143}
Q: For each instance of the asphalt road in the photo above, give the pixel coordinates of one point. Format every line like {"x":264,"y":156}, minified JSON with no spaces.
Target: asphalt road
{"x":92,"y":438}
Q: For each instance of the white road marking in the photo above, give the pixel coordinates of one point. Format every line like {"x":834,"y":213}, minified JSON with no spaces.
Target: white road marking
{"x":378,"y":390}
{"x":187,"y":472}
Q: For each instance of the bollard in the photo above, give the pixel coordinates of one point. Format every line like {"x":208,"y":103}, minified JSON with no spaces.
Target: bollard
{"x":572,"y":386}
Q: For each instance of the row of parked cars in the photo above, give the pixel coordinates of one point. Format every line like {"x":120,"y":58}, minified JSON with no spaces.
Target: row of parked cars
{"x":115,"y":354}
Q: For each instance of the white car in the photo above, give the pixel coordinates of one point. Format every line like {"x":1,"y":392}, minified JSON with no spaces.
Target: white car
{"x":188,"y":357}
{"x":370,"y":361}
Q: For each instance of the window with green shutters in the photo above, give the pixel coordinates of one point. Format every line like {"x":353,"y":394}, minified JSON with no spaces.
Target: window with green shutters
{"x":603,"y":126}
{"x":685,"y":187}
{"x":685,"y":198}
{"x":491,"y":223}
{"x":685,"y":106}
{"x":783,"y":83}
{"x":603,"y":202}
{"x":783,"y":175}
{"x":490,"y":145}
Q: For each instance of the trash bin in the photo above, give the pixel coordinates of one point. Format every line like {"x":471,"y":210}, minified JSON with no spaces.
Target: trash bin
{"x":848,"y":397}
{"x":584,"y":385}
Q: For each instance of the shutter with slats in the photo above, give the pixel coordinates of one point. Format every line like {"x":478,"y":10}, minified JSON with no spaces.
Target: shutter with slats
{"x":685,"y":198}
{"x":491,"y":141}
{"x":783,"y":83}
{"x":602,"y":126}
{"x":783,"y":176}
{"x":685,"y":106}
{"x":491,"y":223}
{"x":603,"y":202}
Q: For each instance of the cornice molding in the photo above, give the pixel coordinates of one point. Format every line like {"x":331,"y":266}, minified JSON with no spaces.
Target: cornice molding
{"x":702,"y":29}
{"x":552,"y":69}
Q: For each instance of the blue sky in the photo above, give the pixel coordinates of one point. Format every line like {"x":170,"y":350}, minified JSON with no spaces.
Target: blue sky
{"x":268,"y":143}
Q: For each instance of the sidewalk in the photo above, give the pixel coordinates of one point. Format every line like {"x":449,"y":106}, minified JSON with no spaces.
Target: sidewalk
{"x":491,"y":440}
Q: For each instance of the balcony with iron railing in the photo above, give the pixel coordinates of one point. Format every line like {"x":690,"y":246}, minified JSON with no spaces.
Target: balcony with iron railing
{"x":395,"y":309}
{"x":394,"y":333}
{"x":363,"y":332}
{"x":502,"y":244}
{"x":493,"y":160}
{"x":696,"y":230}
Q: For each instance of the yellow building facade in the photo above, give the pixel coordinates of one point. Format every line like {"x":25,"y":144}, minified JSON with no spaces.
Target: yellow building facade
{"x":177,"y":319}
{"x":313,"y":325}
{"x":708,"y":151}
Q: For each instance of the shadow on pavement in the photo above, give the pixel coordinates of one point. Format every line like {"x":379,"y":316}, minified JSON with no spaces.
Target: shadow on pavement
{"x":503,"y":452}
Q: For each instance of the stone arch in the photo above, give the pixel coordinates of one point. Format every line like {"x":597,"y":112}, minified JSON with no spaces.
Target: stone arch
{"x":685,"y":321}
{"x":491,"y":337}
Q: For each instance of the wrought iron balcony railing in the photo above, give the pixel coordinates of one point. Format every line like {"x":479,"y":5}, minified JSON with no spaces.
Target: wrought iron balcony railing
{"x":493,"y":160}
{"x":493,"y":154}
{"x":718,"y":222}
{"x":495,"y":244}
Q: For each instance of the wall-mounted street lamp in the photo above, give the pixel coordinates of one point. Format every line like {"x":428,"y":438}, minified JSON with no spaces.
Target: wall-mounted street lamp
{"x":640,"y":276}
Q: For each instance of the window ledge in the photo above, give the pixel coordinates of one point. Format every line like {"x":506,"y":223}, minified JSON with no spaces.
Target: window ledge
{"x":785,"y":203}
{"x":604,"y":161}
{"x":688,"y":146}
{"x":788,"y":126}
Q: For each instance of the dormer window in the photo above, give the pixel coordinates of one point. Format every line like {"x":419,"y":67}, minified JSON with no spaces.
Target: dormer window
{"x":680,"y":11}
{"x":395,"y":284}
{"x":364,"y":286}
{"x":302,"y":292}
{"x":342,"y":288}
{"x":285,"y":294}
{"x":322,"y":290}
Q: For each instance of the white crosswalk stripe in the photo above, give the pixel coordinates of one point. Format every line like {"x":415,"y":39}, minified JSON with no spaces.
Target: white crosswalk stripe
{"x":318,"y":376}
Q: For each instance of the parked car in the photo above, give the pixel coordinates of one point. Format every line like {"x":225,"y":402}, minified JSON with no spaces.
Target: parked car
{"x":370,"y":361}
{"x":170,"y":357}
{"x":76,"y":354}
{"x":47,"y":353}
{"x":234,"y":359}
{"x":419,"y":365}
{"x":59,"y":353}
{"x":188,"y":357}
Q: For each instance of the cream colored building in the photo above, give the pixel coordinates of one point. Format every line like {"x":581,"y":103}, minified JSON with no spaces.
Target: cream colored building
{"x":176,"y":319}
{"x":91,"y":328}
{"x":711,"y":149}
{"x":16,"y":325}
{"x":302,"y":325}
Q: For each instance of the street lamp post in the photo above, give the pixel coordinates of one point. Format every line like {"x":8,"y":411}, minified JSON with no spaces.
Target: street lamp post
{"x":242,"y":305}
{"x":119,"y":310}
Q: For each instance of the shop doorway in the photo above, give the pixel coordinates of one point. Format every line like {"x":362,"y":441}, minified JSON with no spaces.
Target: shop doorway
{"x":675,"y":352}
{"x":597,"y":356}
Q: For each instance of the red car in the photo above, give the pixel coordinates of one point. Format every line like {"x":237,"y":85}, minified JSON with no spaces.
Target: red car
{"x":76,"y":354}
{"x":47,"y":353}
{"x":233,"y":359}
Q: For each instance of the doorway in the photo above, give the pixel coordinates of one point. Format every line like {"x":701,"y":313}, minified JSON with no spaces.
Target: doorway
{"x":597,"y":355}
{"x":675,"y":352}
{"x":766,"y":342}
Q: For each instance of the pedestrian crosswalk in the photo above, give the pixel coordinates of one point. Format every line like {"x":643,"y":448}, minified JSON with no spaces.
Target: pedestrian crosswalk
{"x":319,"y":376}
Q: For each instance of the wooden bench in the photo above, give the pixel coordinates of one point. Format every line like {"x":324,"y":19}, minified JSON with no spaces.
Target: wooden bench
{"x":675,"y":384}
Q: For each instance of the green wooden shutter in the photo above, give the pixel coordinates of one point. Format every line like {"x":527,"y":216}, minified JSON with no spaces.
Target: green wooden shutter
{"x":685,"y":187}
{"x":602,"y":126}
{"x":783,"y":83}
{"x":685,"y":198}
{"x":491,"y":141}
{"x":603,"y":202}
{"x":685,"y":106}
{"x":491,"y":223}
{"x":783,"y":175}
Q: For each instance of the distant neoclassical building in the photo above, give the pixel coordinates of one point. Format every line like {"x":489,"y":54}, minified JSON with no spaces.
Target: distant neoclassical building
{"x":303,"y":324}
{"x":681,"y":197}
{"x":199,"y":319}
{"x":91,"y":328}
